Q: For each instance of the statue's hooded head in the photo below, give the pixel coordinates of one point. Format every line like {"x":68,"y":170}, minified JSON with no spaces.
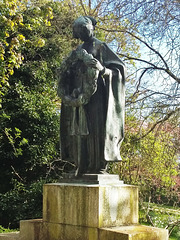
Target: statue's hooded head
{"x":83,"y":28}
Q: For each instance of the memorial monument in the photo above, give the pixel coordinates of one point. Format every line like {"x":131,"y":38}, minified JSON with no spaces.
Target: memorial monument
{"x":92,"y":205}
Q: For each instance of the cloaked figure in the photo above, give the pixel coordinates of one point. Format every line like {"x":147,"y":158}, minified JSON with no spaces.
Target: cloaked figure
{"x":92,"y":88}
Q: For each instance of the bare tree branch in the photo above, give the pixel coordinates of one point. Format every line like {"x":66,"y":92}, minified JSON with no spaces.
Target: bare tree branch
{"x":82,"y":5}
{"x":158,"y":122}
{"x":16,"y":173}
{"x":166,"y":69}
{"x":173,"y":225}
{"x":154,"y":66}
{"x":96,"y":9}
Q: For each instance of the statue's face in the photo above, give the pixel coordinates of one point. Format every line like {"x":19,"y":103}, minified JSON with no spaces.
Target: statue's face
{"x":83,"y":31}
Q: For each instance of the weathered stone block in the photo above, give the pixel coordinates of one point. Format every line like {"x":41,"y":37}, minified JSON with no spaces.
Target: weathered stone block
{"x":9,"y":236}
{"x":31,"y":229}
{"x":90,"y":205}
{"x":118,"y":205}
{"x":55,"y":231}
{"x":136,"y":232}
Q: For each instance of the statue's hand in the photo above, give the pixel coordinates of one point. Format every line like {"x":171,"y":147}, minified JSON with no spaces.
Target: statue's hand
{"x":94,"y":63}
{"x":74,"y":101}
{"x":81,"y":99}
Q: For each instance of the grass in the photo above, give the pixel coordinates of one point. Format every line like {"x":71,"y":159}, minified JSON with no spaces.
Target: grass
{"x":7,"y":230}
{"x":161,"y":216}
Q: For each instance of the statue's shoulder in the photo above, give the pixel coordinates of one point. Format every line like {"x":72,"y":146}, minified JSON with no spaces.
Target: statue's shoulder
{"x":102,"y":45}
{"x":99,"y":43}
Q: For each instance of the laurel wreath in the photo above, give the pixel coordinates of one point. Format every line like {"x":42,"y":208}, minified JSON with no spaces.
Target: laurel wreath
{"x":69,"y":72}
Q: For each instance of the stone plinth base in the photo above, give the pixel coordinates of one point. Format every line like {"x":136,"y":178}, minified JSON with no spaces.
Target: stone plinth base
{"x":96,"y":207}
{"x":90,"y":205}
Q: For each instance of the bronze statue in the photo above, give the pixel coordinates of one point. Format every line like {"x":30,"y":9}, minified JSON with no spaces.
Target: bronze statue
{"x":91,"y":86}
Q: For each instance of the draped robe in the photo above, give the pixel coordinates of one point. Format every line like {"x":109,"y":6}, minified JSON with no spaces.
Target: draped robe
{"x":91,"y":134}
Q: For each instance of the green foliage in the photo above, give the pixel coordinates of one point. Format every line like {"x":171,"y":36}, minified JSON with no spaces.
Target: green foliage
{"x":150,"y":162}
{"x":22,"y":202}
{"x":30,"y":134}
{"x":113,"y":32}
{"x":29,"y":117}
{"x":6,"y":230}
{"x":29,"y":120}
{"x":13,"y":140}
{"x":14,"y":22}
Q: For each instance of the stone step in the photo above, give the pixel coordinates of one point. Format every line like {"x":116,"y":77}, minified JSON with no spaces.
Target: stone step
{"x":134,"y":232}
{"x":9,"y":236}
{"x":37,"y":229}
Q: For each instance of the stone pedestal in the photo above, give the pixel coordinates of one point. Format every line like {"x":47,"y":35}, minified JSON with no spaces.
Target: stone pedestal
{"x":90,"y":205}
{"x":97,"y":207}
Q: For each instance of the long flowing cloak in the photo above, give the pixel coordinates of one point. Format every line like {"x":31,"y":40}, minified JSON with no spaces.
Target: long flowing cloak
{"x":102,"y":116}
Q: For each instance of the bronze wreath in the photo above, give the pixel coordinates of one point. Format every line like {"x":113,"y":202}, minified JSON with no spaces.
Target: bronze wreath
{"x":75,"y":72}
